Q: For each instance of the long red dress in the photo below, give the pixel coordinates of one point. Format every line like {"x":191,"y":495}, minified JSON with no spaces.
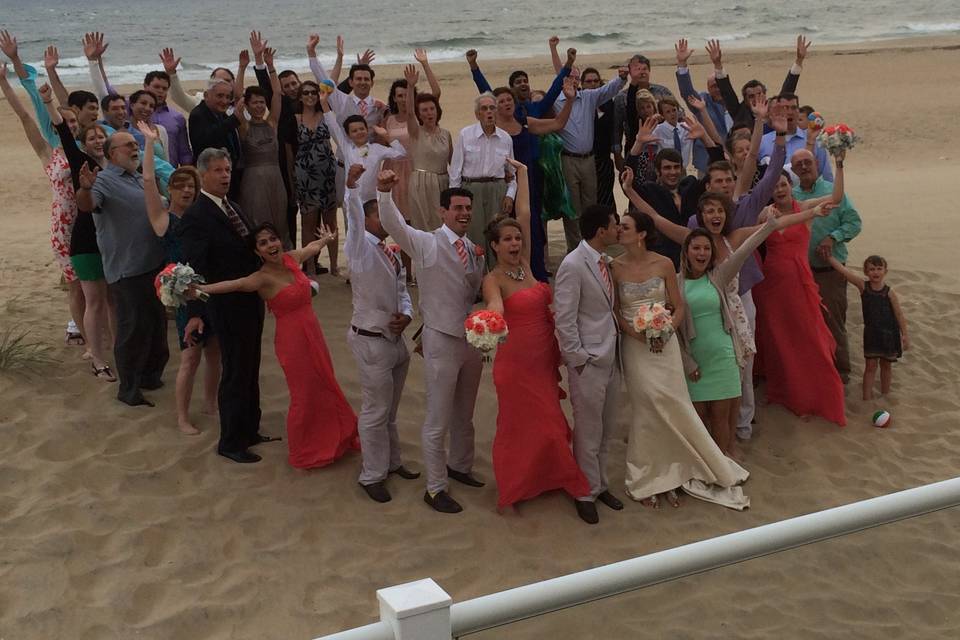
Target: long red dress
{"x":321,"y":425}
{"x":531,"y":449}
{"x":792,"y":337}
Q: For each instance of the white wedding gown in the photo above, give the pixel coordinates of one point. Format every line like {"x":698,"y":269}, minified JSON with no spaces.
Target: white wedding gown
{"x":669,"y":447}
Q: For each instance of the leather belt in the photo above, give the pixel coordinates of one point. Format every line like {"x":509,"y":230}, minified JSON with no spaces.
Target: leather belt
{"x":481,"y":179}
{"x":576,"y":155}
{"x":365,"y":333}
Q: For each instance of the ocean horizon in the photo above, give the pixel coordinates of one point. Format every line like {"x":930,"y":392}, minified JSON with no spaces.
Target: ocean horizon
{"x":446,"y":28}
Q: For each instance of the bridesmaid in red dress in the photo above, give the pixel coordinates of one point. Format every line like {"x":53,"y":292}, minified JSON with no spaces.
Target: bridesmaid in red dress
{"x":531,"y":449}
{"x":321,"y":425}
{"x":792,"y":337}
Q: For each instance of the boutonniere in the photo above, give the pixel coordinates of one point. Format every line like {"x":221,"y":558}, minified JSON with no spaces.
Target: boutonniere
{"x":478,"y":251}
{"x":607,"y":260}
{"x":364,"y":150}
{"x":394,"y":248}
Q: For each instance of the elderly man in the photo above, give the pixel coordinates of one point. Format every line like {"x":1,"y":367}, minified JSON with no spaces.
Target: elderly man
{"x":579,"y":168}
{"x":828,"y":236}
{"x":479,"y":164}
{"x":215,"y":236}
{"x":132,"y":256}
{"x":211,"y":127}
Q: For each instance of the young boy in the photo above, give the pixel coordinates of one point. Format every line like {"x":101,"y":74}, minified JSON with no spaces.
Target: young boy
{"x":669,"y":133}
{"x":353,"y":141}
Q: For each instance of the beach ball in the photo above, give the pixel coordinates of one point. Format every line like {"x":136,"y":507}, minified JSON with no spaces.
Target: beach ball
{"x":882,"y":419}
{"x":327,"y":86}
{"x":816,"y":120}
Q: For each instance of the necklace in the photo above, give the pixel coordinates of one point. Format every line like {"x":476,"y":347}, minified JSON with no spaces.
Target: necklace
{"x":517,"y":275}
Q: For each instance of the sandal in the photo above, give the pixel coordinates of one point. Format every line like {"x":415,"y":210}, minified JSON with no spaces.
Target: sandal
{"x":652,"y":502}
{"x":103,"y":372}
{"x":673,"y":499}
{"x":74,"y":339}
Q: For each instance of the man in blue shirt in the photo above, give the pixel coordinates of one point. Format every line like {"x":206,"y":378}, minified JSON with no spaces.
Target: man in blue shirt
{"x":796,"y":137}
{"x":519,"y":82}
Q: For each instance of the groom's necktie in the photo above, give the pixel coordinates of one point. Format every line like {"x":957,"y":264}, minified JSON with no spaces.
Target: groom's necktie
{"x":461,"y":251}
{"x":605,"y":274}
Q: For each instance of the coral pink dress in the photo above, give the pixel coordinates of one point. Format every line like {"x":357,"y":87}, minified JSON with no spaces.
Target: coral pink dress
{"x":531,"y":449}
{"x":792,"y":337}
{"x":321,"y":425}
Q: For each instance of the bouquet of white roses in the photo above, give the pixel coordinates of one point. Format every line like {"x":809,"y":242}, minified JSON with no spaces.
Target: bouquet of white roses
{"x":837,"y":138}
{"x":485,"y":329}
{"x":175,"y":282}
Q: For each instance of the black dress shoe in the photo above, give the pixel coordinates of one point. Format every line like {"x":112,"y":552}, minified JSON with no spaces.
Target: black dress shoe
{"x":610,"y":500}
{"x":442,"y":502}
{"x":465,"y":478}
{"x":405,"y":473}
{"x":138,"y":401}
{"x":151,"y":385}
{"x":260,"y":439}
{"x":243,"y":457}
{"x":377,"y":492}
{"x":587,"y":511}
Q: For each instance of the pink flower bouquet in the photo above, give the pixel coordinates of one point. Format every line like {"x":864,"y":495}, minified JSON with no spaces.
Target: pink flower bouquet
{"x":837,"y":138}
{"x":655,"y":322}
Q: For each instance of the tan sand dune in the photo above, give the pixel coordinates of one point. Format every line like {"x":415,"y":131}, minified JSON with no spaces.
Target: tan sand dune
{"x":114,"y":525}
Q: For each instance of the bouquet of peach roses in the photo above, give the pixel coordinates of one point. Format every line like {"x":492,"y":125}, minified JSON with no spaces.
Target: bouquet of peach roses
{"x":655,"y":322}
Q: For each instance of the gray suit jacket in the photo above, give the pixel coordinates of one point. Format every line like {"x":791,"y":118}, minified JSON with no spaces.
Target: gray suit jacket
{"x":586,"y":326}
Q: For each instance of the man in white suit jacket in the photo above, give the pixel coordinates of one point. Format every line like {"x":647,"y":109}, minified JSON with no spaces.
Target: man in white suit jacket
{"x":588,"y":334}
{"x":449,"y":272}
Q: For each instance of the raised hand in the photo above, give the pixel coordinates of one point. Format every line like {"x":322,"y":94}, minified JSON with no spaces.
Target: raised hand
{"x":420,"y":55}
{"x":716,"y":55}
{"x":696,"y":102}
{"x":554,"y":42}
{"x":626,"y":180}
{"x":94,"y":45}
{"x":325,"y":236}
{"x":683,"y":50}
{"x":623,"y":71}
{"x":760,"y":107}
{"x":645,"y":133}
{"x":51,"y":57}
{"x":239,"y":107}
{"x":8,"y":44}
{"x":695,"y":130}
{"x":312,"y":41}
{"x":87,"y":177}
{"x":569,"y":88}
{"x":471,"y":55}
{"x":339,"y":47}
{"x":354,"y":173}
{"x":268,"y":55}
{"x":778,"y":120}
{"x":411,"y":75}
{"x":244,"y":58}
{"x":803,"y":45}
{"x":381,"y":134}
{"x":46,"y":93}
{"x":148,"y":132}
{"x":571,"y":57}
{"x":385,"y":180}
{"x":257,"y":44}
{"x":169,"y":60}
{"x":367,"y":57}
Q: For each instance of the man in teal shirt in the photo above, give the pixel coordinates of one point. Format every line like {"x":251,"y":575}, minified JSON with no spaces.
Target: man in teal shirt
{"x":828,"y":236}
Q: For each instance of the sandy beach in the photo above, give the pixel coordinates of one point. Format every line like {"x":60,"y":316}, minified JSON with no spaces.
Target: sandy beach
{"x":115,"y":525}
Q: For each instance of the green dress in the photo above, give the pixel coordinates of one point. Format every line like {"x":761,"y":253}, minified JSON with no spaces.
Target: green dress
{"x":556,"y":196}
{"x":713,"y":346}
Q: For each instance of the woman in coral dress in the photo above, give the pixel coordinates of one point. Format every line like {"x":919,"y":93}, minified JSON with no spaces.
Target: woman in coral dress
{"x":792,"y":336}
{"x":531,"y":449}
{"x":321,"y":425}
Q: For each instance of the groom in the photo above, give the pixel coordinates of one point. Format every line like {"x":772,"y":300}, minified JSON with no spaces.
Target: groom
{"x":449,"y":271}
{"x":588,"y":334}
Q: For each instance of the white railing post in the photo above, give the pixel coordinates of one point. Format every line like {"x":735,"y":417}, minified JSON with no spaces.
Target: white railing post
{"x":416,"y":610}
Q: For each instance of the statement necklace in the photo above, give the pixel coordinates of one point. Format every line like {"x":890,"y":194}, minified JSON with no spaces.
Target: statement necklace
{"x":517,"y":275}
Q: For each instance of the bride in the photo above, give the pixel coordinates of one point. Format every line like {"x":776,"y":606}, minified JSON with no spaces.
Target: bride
{"x":669,"y":448}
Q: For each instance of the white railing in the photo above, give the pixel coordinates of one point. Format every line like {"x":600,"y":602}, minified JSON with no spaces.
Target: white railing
{"x":421,"y":610}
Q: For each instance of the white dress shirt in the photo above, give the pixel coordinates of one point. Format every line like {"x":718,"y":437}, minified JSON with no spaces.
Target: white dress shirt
{"x":477,"y":155}
{"x":664,"y":133}
{"x":369,"y":155}
{"x":348,"y":104}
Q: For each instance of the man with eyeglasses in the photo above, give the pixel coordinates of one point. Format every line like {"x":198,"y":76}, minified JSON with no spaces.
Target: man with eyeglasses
{"x":132,"y":256}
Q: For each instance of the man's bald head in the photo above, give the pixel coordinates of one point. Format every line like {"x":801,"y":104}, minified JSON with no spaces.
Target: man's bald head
{"x":804,"y":164}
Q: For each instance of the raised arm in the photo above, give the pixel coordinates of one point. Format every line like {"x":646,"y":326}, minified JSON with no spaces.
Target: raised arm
{"x":28,"y":80}
{"x":749,"y":168}
{"x":338,"y":63}
{"x":553,"y":42}
{"x":324,"y":237}
{"x":421,"y":56}
{"x":51,"y":58}
{"x":521,"y":207}
{"x":730,"y":98}
{"x":409,"y":108}
{"x":239,"y":81}
{"x":556,"y":86}
{"x":711,"y":137}
{"x":684,"y":81}
{"x":75,"y":157}
{"x":353,"y":212}
{"x":836,"y":196}
{"x":478,"y":78}
{"x":411,"y":240}
{"x":793,"y":74}
{"x":749,"y":207}
{"x":177,"y":94}
{"x":854,"y":278}
{"x":249,"y":284}
{"x":276,"y":93}
{"x":338,"y":99}
{"x":729,"y":268}
{"x":543,"y":126}
{"x":159,"y":218}
{"x":673,"y":231}
{"x":40,"y":146}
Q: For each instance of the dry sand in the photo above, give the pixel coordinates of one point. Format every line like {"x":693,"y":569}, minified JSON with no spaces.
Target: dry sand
{"x":114,"y":525}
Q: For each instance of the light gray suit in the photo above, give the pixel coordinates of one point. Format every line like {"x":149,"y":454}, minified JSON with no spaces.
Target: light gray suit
{"x":588,"y":332}
{"x":379,"y":291}
{"x":453,"y":368}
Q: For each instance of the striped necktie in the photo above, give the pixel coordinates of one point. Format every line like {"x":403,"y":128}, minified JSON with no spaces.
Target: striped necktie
{"x":235,"y":220}
{"x":362,"y":106}
{"x":461,"y":251}
{"x":386,"y":251}
{"x":605,"y":274}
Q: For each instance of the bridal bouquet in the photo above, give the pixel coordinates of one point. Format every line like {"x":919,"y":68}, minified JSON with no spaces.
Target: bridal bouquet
{"x":655,"y":322}
{"x":837,"y":138}
{"x":485,"y":329}
{"x":173,"y":284}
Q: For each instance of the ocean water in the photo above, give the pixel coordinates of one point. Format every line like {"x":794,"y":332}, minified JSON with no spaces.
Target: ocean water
{"x":211,"y":34}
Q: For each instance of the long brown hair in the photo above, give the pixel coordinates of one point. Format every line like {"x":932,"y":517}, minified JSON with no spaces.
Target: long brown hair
{"x":685,"y":262}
